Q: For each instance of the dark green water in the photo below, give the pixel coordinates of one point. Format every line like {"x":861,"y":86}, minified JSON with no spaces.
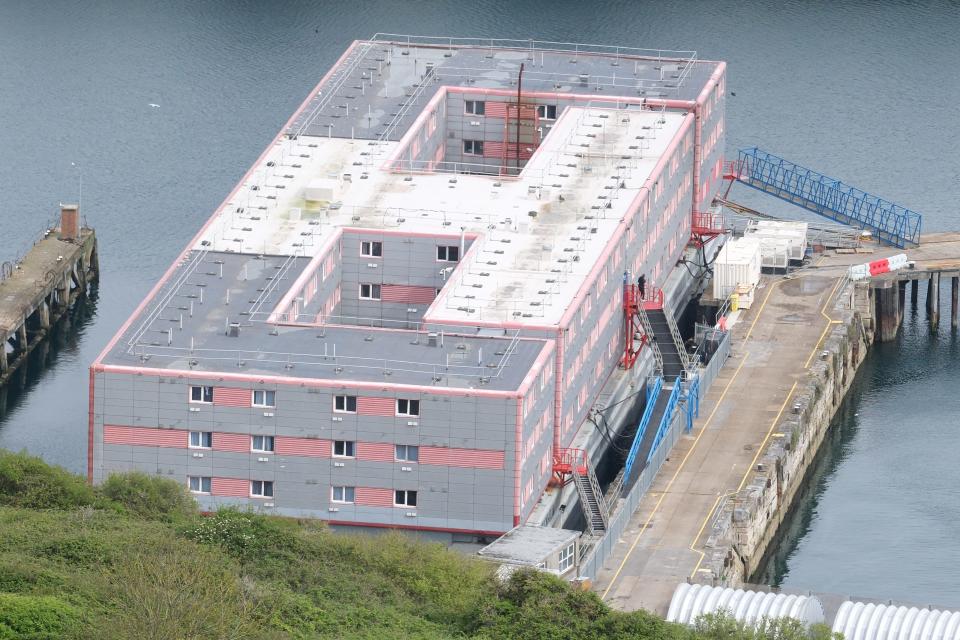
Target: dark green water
{"x":862,"y":90}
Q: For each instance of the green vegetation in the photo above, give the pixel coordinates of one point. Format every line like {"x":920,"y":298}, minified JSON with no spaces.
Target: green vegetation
{"x":133,"y":559}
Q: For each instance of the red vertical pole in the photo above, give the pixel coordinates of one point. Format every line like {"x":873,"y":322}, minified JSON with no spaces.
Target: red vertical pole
{"x":519,"y":85}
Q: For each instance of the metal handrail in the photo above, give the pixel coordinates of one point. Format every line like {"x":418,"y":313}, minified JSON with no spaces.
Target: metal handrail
{"x":667,"y":417}
{"x":648,"y":330}
{"x":653,"y":392}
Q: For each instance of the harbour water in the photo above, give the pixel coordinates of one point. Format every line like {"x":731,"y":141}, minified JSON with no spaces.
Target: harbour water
{"x":158,"y":109}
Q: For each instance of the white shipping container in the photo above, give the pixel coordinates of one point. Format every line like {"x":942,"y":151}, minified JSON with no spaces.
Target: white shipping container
{"x":775,"y":235}
{"x":738,"y":263}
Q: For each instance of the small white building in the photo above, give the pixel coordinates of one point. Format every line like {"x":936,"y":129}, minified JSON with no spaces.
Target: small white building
{"x":553,"y":550}
{"x":737,"y":267}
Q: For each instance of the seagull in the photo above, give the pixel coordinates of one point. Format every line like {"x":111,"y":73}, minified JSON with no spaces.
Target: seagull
{"x":154,"y":105}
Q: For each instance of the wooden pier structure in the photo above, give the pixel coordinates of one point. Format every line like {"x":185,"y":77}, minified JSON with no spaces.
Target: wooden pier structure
{"x":36,"y":292}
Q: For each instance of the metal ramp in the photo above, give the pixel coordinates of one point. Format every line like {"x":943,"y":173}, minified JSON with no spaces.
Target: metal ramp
{"x":828,"y":197}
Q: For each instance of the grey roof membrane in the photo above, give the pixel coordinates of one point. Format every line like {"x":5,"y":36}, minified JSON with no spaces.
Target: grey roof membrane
{"x":528,"y":544}
{"x":247,"y":291}
{"x":380,"y":87}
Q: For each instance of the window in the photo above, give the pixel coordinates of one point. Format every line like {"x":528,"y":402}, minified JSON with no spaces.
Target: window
{"x":475,"y":107}
{"x":369,"y":292}
{"x":345,"y":404}
{"x":199,"y":484}
{"x":201,"y":439}
{"x":407,"y":453}
{"x":371,"y":249}
{"x":547,"y":111}
{"x":201,"y":394}
{"x":343,"y":448}
{"x":342,"y":494}
{"x":566,"y":557}
{"x":473,"y":147}
{"x":261,"y":443}
{"x":261,"y":488}
{"x":405,"y":498}
{"x":263,"y":398}
{"x":408,"y":407}
{"x":448,"y":253}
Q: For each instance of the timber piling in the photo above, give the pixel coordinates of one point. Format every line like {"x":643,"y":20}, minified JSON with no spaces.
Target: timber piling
{"x":58,"y":270}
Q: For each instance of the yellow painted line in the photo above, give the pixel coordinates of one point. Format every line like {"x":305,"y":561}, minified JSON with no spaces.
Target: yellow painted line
{"x":760,"y":310}
{"x":683,"y":462}
{"x":830,"y":323}
{"x":743,"y":480}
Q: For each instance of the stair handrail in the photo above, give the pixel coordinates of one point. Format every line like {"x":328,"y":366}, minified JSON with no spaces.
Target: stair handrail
{"x":667,"y":418}
{"x":594,"y":485}
{"x":652,"y":342}
{"x":677,"y":340}
{"x":653,"y":392}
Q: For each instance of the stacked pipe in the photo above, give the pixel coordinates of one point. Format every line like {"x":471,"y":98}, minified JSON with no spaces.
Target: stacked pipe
{"x":690,"y":601}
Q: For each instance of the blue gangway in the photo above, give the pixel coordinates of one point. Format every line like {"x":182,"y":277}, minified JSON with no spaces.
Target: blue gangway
{"x":831,"y":198}
{"x":667,"y":417}
{"x":653,"y":393}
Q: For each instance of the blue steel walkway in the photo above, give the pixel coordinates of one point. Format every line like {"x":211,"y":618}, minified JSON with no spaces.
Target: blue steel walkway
{"x":831,"y":198}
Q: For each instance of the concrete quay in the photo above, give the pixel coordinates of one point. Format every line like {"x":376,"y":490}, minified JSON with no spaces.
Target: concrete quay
{"x":678,"y":531}
{"x":38,"y":290}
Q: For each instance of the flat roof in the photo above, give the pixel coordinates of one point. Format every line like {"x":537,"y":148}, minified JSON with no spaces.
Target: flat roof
{"x":528,"y":544}
{"x":242,"y":288}
{"x":540,"y":234}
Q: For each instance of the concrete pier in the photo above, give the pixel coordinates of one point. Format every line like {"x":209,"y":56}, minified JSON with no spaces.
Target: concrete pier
{"x":933,"y":300}
{"x":954,"y":291}
{"x":36,"y":292}
{"x":887,"y":300}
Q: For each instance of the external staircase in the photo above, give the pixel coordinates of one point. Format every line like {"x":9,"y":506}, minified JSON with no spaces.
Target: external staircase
{"x":574,"y":464}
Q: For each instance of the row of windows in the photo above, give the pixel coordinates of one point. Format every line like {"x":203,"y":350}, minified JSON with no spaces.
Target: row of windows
{"x":341,"y":404}
{"x":445,"y":253}
{"x":264,"y":489}
{"x":479,"y":108}
{"x":203,"y":394}
{"x":339,"y":448}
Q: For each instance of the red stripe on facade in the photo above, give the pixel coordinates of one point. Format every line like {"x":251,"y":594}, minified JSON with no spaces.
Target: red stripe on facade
{"x":453,"y":457}
{"x":231,"y":397}
{"x":371,"y":497}
{"x":407,"y":293}
{"x":493,"y":149}
{"x":236,"y":442}
{"x":234,"y":487}
{"x":367,"y":406}
{"x":375,"y":451}
{"x":313,"y":447}
{"x":145,"y":437}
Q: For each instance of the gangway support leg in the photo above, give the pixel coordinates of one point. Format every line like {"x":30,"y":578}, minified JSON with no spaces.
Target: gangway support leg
{"x":954,"y":294}
{"x":933,"y":301}
{"x":914,"y":289}
{"x":901,"y":297}
{"x":887,"y":311}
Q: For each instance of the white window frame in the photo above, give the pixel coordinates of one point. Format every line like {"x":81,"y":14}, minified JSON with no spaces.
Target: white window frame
{"x":444,"y":250}
{"x":412,"y":409}
{"x":266,"y":402}
{"x":203,"y":388}
{"x":343,"y":494}
{"x":401,"y":452}
{"x":473,"y":147}
{"x":407,"y":493}
{"x":350,"y":445}
{"x":346,"y":404}
{"x":371,"y":248}
{"x":267,"y":440}
{"x":200,"y":483}
{"x":264,"y":485}
{"x":566,"y":557}
{"x":373,"y":291}
{"x":201,"y":436}
{"x":543,"y":111}
{"x":475,"y":107}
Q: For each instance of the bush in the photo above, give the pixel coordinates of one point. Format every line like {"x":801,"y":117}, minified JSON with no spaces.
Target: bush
{"x":35,"y":618}
{"x":244,"y":535}
{"x":30,"y":483}
{"x":149,"y":497}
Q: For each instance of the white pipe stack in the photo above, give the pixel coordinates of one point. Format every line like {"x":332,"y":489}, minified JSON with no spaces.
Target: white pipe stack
{"x":868,"y":621}
{"x":690,"y":601}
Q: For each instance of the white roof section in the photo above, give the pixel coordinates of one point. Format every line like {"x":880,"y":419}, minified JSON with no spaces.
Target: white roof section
{"x":540,"y":233}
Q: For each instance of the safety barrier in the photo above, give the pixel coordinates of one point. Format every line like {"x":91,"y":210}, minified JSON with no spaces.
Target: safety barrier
{"x":653,"y":392}
{"x":667,"y":418}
